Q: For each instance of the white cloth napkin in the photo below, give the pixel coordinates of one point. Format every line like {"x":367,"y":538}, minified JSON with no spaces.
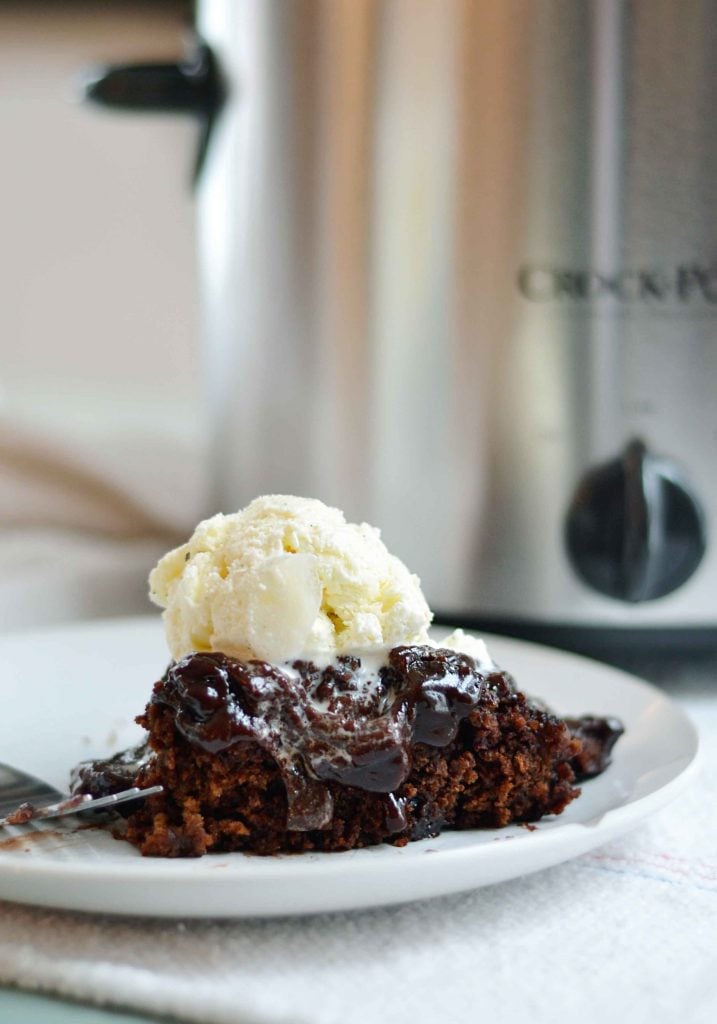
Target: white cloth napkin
{"x":627,"y":932}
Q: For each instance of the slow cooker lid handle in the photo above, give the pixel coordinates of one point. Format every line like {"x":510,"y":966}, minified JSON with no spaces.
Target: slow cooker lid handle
{"x":193,"y":86}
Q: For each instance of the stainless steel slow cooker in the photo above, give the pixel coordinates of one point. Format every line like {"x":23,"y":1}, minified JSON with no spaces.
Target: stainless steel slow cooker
{"x":459,"y":272}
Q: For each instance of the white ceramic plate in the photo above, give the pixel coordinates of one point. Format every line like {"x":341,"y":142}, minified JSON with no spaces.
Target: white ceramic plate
{"x":71,"y":693}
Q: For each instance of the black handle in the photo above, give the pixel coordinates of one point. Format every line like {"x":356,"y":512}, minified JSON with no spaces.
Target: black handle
{"x":190,"y":86}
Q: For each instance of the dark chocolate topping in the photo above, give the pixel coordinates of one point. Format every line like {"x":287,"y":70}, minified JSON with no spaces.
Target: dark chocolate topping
{"x":343,"y":723}
{"x":110,"y":775}
{"x":598,"y":737}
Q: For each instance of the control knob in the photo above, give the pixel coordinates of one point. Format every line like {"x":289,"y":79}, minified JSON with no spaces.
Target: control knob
{"x":635,"y":530}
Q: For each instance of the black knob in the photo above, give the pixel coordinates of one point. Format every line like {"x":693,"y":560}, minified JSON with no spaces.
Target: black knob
{"x":635,"y":530}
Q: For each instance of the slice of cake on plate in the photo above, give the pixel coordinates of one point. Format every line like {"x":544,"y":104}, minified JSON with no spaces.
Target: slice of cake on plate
{"x":306,"y":706}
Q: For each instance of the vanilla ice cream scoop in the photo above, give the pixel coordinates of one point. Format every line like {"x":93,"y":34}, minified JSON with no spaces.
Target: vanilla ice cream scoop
{"x":286,"y":578}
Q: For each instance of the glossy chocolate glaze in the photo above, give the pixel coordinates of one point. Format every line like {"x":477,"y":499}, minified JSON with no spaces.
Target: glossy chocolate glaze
{"x":111,"y":775}
{"x":344,"y":723}
{"x":598,"y":737}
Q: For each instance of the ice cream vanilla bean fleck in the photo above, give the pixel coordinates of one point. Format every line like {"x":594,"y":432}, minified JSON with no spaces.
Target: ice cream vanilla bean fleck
{"x":307,"y":708}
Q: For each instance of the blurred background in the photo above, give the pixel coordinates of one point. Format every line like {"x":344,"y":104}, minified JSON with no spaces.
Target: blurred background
{"x":98,"y":272}
{"x":449,"y":266}
{"x":99,"y":354}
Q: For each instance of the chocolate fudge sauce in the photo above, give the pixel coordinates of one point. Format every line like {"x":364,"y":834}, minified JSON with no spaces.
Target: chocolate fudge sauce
{"x":346,"y":723}
{"x":598,"y":737}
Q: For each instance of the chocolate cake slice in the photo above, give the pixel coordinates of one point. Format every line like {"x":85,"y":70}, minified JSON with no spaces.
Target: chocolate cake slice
{"x":271,"y":758}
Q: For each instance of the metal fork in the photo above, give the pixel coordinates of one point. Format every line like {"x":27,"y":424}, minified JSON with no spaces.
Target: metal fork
{"x":24,"y":798}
